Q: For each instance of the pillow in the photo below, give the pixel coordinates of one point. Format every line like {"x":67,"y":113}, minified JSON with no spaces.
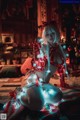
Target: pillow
{"x":10,"y":72}
{"x":27,"y":65}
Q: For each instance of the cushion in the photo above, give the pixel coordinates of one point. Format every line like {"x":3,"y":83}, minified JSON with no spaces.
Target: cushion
{"x":10,"y":72}
{"x":27,"y":65}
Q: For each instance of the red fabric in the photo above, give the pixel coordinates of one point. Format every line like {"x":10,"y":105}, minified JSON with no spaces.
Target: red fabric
{"x":13,"y":94}
{"x":7,"y":107}
{"x":55,"y":54}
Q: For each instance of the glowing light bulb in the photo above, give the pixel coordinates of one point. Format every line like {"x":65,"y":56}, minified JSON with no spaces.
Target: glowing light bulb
{"x":40,"y":40}
{"x":45,"y":94}
{"x":40,"y":79}
{"x":19,"y":96}
{"x":64,"y":46}
{"x":38,"y":67}
{"x":67,"y":55}
{"x":66,"y":72}
{"x":23,"y":89}
{"x":34,"y":76}
{"x":34,"y":64}
{"x":48,"y":71}
{"x":38,"y":56}
{"x":51,"y":91}
{"x":17,"y":105}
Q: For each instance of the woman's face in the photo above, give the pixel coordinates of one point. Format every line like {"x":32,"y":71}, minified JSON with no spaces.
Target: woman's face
{"x":49,"y":36}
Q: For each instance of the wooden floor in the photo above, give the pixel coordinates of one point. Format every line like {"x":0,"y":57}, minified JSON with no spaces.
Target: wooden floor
{"x":7,"y":85}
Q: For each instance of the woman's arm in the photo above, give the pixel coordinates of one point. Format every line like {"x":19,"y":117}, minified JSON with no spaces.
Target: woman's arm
{"x":63,"y":55}
{"x":61,"y":52}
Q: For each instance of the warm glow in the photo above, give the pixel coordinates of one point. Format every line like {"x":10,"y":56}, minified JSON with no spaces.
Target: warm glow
{"x":68,"y":61}
{"x":63,"y":39}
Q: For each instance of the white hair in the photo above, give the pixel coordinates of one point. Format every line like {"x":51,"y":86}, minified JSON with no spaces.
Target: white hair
{"x":51,"y":29}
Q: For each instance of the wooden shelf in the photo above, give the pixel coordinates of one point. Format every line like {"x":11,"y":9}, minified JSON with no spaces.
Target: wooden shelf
{"x":18,"y":65}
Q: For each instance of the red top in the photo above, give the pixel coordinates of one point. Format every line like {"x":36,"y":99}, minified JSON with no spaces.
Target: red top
{"x":55,"y":54}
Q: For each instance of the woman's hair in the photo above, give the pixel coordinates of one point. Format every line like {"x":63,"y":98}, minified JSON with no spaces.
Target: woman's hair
{"x":51,"y":28}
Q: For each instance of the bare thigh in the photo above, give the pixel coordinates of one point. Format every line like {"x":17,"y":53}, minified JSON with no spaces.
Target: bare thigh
{"x":45,"y":75}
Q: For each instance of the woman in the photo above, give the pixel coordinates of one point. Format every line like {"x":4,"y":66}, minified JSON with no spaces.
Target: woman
{"x":52,"y":52}
{"x":36,"y":94}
